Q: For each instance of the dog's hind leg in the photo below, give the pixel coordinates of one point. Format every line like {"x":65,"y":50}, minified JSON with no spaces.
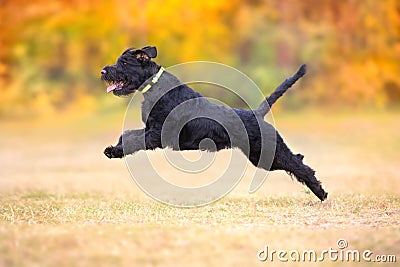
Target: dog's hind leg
{"x":285,"y":160}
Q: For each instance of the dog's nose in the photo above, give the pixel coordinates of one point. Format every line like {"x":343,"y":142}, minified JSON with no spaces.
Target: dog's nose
{"x":103,"y":71}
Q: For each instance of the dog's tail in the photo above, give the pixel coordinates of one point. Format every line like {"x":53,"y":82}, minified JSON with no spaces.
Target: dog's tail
{"x":266,"y":105}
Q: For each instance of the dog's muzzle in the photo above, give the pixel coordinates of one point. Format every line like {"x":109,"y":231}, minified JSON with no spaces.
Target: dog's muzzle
{"x":109,"y":76}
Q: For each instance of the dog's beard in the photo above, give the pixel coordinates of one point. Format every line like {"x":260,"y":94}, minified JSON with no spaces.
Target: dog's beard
{"x":119,"y":87}
{"x":124,"y":91}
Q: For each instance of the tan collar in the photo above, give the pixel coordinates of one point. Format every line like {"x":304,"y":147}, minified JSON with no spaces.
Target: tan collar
{"x":154,"y":80}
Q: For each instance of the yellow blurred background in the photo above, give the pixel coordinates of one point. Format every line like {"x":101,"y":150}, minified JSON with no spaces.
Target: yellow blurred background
{"x":51,"y":52}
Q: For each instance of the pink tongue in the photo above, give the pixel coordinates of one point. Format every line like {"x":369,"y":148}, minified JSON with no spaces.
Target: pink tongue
{"x":111,"y":87}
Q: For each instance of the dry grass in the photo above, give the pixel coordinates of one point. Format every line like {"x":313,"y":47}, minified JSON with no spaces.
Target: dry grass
{"x":63,"y":203}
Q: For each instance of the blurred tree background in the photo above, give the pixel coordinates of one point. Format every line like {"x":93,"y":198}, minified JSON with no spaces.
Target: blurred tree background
{"x":51,"y":52}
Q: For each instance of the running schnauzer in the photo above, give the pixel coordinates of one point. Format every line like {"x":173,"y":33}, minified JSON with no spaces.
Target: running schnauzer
{"x":198,"y":120}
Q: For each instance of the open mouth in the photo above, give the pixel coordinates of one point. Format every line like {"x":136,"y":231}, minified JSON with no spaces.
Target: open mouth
{"x":115,"y":86}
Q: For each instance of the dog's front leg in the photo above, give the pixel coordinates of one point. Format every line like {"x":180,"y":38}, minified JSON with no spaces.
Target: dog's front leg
{"x":117,"y":151}
{"x":132,"y":141}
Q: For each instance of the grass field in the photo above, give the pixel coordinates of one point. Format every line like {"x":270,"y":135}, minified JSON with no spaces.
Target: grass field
{"x":62,"y":203}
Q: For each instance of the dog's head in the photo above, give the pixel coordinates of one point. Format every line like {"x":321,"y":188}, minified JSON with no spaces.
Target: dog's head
{"x":132,"y":69}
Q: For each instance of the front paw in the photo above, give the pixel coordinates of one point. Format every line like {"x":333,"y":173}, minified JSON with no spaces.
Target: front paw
{"x":113,"y":152}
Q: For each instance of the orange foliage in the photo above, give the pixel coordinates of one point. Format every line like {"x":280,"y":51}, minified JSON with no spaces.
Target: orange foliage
{"x":51,"y":51}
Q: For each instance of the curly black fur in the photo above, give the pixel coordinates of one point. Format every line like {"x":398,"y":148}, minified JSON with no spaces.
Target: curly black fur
{"x":200,"y":120}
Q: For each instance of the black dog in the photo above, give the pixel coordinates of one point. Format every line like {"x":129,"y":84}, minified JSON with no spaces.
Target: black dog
{"x":164,"y":101}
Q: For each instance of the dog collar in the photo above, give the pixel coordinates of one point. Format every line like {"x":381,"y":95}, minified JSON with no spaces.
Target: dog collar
{"x":154,"y":80}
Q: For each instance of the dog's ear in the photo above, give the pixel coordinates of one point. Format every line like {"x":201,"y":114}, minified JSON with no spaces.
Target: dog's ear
{"x":151,"y":51}
{"x":143,"y":55}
